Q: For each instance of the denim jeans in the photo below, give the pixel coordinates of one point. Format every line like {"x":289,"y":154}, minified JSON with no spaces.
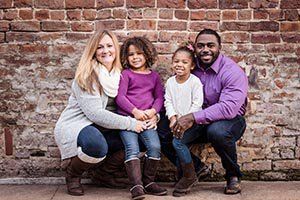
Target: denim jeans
{"x":131,"y":142}
{"x":97,"y":142}
{"x":221,"y":134}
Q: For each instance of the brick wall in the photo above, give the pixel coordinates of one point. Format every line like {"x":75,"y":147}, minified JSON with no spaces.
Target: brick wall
{"x":41,"y":42}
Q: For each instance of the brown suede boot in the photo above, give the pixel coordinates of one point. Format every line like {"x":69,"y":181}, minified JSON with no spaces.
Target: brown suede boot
{"x":149,"y":172}
{"x":133,"y":168}
{"x":111,"y":172}
{"x":185,"y":184}
{"x":73,"y":175}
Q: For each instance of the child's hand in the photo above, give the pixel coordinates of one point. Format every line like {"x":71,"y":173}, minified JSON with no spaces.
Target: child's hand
{"x":139,"y":114}
{"x":151,"y":123}
{"x":150,"y":113}
{"x":172,"y":121}
{"x":140,"y":126}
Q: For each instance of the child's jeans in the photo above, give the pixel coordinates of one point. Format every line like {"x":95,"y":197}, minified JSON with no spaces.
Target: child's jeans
{"x":131,"y":142}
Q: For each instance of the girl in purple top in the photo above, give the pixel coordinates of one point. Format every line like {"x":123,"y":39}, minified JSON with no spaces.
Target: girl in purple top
{"x":140,"y":95}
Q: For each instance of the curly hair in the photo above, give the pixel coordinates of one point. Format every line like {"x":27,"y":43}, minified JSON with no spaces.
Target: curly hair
{"x":187,"y":47}
{"x":144,"y":45}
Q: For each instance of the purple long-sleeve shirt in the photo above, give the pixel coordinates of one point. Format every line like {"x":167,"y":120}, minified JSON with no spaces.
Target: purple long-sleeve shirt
{"x":143,"y":91}
{"x":225,"y":88}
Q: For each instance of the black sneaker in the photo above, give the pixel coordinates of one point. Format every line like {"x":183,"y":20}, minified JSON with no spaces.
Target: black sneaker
{"x":233,"y":186}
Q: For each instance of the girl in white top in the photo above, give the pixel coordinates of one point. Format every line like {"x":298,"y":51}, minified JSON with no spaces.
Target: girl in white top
{"x":184,"y":91}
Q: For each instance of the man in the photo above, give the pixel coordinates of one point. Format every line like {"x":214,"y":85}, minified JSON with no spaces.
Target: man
{"x":225,"y":99}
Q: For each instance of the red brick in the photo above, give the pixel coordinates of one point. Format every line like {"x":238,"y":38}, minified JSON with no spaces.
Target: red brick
{"x":80,"y":3}
{"x":10,"y":14}
{"x":259,"y":165}
{"x":111,"y":24}
{"x":55,"y":26}
{"x":280,"y":48}
{"x":23,"y":3}
{"x":25,"y":26}
{"x":244,"y":14}
{"x":151,"y":35}
{"x":265,"y":38}
{"x":119,"y":13}
{"x":89,"y":14}
{"x":291,"y":15}
{"x":26,"y":14}
{"x":229,"y":15}
{"x":64,"y":49}
{"x":42,"y":14}
{"x":264,"y":26}
{"x":150,"y":13}
{"x":110,"y":4}
{"x":235,"y":37}
{"x":2,"y":37}
{"x":6,"y":3}
{"x":166,"y":14}
{"x":48,"y":36}
{"x":290,"y":4}
{"x":199,"y":4}
{"x":264,"y":4}
{"x":260,"y":14}
{"x":198,"y":26}
{"x":140,"y":4}
{"x":33,"y":48}
{"x":104,"y":14}
{"x":135,"y":14}
{"x":20,"y":37}
{"x":82,"y":26}
{"x":165,"y":36}
{"x":171,"y":3}
{"x":77,"y":36}
{"x":286,"y":164}
{"x":276,"y":14}
{"x":235,"y":26}
{"x":233,"y":4}
{"x":141,"y":24}
{"x":4,"y":26}
{"x":57,"y":15}
{"x":197,"y":15}
{"x":182,"y":14}
{"x":53,"y":4}
{"x":172,"y":25}
{"x":74,"y":14}
{"x":290,"y":26}
{"x":213,"y":15}
{"x":291,"y":37}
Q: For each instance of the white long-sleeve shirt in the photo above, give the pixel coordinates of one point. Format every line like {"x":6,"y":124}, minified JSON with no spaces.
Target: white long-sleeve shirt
{"x":183,"y":98}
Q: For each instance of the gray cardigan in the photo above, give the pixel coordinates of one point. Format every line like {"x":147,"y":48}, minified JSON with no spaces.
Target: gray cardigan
{"x":82,"y":110}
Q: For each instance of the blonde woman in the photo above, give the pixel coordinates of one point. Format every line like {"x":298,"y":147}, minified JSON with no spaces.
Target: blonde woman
{"x":86,"y":131}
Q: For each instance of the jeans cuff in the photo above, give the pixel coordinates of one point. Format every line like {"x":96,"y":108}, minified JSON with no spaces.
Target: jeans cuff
{"x":88,"y":159}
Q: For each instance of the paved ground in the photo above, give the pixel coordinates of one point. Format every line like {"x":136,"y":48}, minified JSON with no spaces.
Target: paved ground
{"x":202,"y":191}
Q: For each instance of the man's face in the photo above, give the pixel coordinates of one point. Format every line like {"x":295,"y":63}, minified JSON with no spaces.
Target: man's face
{"x":207,"y":49}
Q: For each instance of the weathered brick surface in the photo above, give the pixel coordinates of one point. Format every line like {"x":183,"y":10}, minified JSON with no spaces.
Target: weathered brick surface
{"x":41,"y":43}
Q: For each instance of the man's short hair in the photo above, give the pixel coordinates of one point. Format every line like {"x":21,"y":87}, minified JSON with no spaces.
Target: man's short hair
{"x":211,"y":32}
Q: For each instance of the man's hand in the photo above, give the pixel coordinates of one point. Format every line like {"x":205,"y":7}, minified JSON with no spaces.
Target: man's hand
{"x":182,"y":124}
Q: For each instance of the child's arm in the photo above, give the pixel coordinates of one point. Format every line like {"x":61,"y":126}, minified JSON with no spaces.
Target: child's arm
{"x":172,"y":121}
{"x":122,"y":100}
{"x":170,"y":111}
{"x":197,"y":96}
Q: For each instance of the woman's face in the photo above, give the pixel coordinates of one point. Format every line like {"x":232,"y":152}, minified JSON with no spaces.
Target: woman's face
{"x":106,"y":51}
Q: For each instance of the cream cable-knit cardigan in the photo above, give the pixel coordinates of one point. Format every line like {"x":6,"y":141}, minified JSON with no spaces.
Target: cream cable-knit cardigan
{"x":82,"y":110}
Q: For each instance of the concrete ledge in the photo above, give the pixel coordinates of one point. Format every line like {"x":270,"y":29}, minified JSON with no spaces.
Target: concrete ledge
{"x":38,"y":181}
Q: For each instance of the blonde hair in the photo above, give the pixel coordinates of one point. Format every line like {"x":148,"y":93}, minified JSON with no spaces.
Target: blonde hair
{"x":86,"y":74}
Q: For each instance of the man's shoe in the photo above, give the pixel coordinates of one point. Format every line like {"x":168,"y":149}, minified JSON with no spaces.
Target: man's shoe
{"x":233,"y":186}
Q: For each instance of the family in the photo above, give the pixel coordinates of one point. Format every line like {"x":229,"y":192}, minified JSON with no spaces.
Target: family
{"x":120,"y":108}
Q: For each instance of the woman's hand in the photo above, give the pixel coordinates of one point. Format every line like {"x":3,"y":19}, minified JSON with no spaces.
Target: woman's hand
{"x":152,"y":122}
{"x":139,"y":114}
{"x":140,"y":126}
{"x":150,"y":113}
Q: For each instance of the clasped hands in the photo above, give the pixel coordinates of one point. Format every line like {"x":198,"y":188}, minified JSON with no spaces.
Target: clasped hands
{"x":146,"y":119}
{"x":180,"y":125}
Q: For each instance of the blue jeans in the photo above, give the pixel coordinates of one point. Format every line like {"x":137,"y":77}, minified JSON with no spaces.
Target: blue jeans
{"x":131,"y":142}
{"x":97,"y":142}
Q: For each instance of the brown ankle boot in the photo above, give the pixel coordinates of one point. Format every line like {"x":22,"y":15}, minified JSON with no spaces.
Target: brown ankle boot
{"x":133,"y":168}
{"x":150,"y":168}
{"x":185,"y":184}
{"x":111,"y":172}
{"x":73,"y":176}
